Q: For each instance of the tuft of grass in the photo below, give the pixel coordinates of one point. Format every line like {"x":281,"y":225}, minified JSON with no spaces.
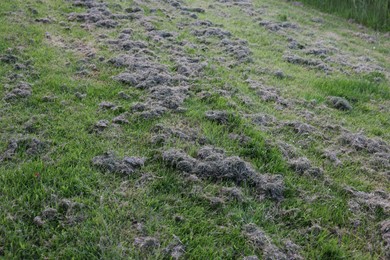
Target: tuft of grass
{"x":283,"y":17}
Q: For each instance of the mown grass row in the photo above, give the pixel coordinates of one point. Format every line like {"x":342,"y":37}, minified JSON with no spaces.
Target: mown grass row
{"x":373,"y":13}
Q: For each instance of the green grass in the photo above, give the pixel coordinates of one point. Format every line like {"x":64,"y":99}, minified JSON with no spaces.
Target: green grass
{"x":356,"y":90}
{"x":373,"y":13}
{"x":113,"y":204}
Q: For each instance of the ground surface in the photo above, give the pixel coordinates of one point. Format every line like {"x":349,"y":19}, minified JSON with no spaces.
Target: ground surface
{"x":192,"y":129}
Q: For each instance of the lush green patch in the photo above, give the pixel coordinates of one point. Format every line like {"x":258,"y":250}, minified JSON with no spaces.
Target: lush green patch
{"x":374,"y":13}
{"x":355,"y":90}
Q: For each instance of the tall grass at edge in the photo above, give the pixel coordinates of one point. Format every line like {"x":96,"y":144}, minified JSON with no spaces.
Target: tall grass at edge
{"x":372,"y":13}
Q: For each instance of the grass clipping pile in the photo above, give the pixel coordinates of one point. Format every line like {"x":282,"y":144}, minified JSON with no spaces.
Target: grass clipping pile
{"x":212,"y":163}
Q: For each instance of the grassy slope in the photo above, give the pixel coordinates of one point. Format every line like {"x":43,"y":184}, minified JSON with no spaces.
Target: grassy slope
{"x":113,"y":204}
